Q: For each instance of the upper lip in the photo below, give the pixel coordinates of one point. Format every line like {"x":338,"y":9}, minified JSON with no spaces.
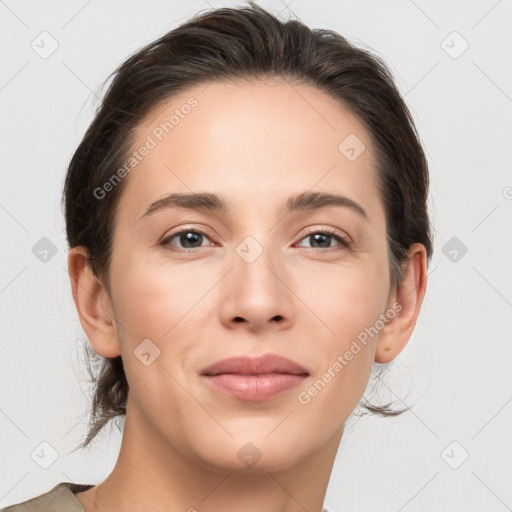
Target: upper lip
{"x":246,"y":365}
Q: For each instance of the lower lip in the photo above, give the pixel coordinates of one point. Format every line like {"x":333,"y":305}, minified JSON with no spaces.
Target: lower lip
{"x":254,"y":388}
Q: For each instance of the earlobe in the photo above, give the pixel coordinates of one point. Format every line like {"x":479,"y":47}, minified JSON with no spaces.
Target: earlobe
{"x":93,"y":304}
{"x":409,"y":295}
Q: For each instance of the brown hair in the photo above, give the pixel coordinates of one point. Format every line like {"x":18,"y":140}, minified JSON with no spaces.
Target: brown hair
{"x":240,"y":43}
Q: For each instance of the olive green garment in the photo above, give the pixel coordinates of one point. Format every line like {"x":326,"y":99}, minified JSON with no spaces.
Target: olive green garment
{"x":60,"y":499}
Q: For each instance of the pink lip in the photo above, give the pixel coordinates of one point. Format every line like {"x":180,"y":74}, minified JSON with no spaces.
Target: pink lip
{"x":254,"y":378}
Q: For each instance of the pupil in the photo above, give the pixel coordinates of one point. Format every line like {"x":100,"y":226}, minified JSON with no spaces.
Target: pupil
{"x":320,"y":235}
{"x":189,"y":238}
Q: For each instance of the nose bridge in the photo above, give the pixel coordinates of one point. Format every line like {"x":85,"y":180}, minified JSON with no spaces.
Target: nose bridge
{"x":256,"y":251}
{"x":256,"y":291}
{"x":254,"y":266}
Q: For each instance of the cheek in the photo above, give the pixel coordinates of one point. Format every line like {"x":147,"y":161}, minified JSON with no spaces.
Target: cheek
{"x":154,"y":300}
{"x":349,"y":301}
{"x":167,"y":305}
{"x":346,"y":298}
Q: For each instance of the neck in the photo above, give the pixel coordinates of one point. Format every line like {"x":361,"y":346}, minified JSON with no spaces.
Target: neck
{"x":152,"y":474}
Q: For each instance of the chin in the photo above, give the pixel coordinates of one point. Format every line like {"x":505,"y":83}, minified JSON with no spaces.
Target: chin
{"x":252,"y":454}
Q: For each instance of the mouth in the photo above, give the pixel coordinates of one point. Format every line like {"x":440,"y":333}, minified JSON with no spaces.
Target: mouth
{"x":254,"y":379}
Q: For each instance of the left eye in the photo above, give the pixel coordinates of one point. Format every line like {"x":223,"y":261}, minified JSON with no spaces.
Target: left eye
{"x":323,"y":239}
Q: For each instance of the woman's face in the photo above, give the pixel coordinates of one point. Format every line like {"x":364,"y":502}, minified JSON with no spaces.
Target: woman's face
{"x":255,"y":278}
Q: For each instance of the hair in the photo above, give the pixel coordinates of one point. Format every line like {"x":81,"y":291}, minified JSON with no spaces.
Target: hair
{"x":246,"y":43}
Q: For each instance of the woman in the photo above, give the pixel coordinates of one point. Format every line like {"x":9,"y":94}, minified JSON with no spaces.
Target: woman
{"x":248,"y":235}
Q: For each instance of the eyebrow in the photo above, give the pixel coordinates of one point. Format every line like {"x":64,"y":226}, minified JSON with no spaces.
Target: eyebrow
{"x":215,"y":203}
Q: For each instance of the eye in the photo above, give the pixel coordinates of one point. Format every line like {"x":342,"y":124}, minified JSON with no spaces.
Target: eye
{"x":193,"y":239}
{"x":189,"y":238}
{"x":322,"y":239}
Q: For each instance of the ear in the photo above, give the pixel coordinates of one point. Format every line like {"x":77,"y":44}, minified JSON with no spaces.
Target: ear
{"x":407,"y":298}
{"x":93,"y":304}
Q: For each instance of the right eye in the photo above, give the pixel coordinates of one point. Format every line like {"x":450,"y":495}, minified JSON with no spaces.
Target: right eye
{"x":189,"y":238}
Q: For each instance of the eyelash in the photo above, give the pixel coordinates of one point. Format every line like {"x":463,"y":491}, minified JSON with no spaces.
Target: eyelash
{"x":343,"y":241}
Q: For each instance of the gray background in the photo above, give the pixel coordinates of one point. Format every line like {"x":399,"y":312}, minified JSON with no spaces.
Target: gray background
{"x":456,"y":367}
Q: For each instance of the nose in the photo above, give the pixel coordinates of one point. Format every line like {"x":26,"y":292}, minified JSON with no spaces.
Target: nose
{"x":257,"y":295}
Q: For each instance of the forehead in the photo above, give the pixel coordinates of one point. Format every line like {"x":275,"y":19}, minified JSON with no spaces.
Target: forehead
{"x":276,"y":108}
{"x":252,"y":137}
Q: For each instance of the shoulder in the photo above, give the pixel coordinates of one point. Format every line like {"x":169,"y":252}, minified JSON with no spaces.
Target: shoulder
{"x":60,"y":498}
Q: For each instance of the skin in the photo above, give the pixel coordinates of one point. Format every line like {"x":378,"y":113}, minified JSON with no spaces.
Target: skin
{"x":255,"y":144}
